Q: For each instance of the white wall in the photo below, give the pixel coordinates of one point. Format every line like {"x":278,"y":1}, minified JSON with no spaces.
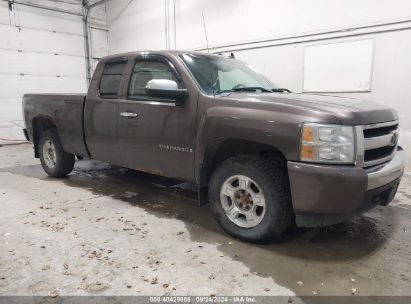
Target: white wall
{"x":97,"y":34}
{"x":42,"y":51}
{"x":271,"y":35}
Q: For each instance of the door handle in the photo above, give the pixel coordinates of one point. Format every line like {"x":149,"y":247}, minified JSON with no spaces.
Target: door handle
{"x":128,"y":114}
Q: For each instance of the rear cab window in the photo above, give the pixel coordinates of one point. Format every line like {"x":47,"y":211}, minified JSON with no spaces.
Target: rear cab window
{"x":111,"y":79}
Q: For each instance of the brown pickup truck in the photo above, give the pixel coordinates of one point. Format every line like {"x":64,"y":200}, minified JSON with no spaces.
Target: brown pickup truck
{"x":263,"y":157}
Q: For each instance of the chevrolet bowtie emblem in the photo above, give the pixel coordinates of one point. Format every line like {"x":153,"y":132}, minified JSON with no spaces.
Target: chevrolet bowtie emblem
{"x":394,"y":139}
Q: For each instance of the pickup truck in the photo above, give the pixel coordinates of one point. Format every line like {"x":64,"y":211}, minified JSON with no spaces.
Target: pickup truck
{"x":263,"y":157}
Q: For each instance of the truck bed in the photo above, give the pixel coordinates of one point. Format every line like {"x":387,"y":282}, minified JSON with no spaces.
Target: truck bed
{"x":65,"y":111}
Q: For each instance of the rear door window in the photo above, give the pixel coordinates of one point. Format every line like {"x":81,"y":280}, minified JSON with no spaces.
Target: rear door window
{"x":111,"y":79}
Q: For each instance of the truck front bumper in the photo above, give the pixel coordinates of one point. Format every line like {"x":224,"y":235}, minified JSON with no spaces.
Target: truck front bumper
{"x":326,"y":194}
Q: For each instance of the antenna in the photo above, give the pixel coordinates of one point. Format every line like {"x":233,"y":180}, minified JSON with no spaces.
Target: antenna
{"x":205,"y":32}
{"x":175,"y":26}
{"x":167,"y":23}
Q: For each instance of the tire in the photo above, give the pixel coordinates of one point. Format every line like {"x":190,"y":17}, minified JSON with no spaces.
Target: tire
{"x":54,"y":160}
{"x":267,"y":197}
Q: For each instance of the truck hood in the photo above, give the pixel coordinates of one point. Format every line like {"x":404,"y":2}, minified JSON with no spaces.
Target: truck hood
{"x":348,"y":111}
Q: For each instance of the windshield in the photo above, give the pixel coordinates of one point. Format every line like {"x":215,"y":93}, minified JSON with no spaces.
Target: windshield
{"x":218,"y":74}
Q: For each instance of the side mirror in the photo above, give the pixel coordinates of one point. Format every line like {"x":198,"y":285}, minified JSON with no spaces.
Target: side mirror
{"x":165,"y":88}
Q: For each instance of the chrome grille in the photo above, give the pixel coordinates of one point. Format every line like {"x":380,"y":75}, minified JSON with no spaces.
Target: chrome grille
{"x":376,"y":143}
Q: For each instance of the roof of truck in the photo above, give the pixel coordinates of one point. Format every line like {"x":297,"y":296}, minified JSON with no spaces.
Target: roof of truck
{"x":174,"y":52}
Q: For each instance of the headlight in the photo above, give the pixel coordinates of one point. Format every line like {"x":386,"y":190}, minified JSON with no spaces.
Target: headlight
{"x":327,"y":143}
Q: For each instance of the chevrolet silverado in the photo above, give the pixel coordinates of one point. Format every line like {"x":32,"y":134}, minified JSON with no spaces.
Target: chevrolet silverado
{"x":262,"y":156}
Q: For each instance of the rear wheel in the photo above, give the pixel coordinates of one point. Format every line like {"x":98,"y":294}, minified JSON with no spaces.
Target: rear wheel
{"x":251,"y":199}
{"x":54,"y":160}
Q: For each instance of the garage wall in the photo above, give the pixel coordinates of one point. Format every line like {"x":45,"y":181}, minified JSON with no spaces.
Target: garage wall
{"x":42,"y":51}
{"x":390,"y":79}
{"x":272,"y":35}
{"x":97,"y":34}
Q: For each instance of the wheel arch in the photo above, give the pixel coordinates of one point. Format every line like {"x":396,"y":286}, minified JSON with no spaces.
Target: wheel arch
{"x":219,"y":150}
{"x":40,"y":124}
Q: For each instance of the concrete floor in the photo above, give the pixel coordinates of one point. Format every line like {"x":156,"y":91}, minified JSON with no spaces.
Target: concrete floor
{"x":110,"y":231}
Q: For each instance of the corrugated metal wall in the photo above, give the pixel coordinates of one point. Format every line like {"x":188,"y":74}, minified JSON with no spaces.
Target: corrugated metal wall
{"x":41,"y":51}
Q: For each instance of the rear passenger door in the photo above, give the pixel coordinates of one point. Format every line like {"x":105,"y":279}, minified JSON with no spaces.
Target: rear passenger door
{"x":101,"y":111}
{"x":155,"y":134}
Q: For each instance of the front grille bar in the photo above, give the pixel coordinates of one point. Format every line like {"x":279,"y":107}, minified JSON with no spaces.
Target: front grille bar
{"x":379,"y":141}
{"x":374,"y":143}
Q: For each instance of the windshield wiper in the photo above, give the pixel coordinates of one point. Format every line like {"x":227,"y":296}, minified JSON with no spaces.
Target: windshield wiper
{"x":251,"y":89}
{"x":244,"y":89}
{"x":280,"y":90}
{"x":254,"y":89}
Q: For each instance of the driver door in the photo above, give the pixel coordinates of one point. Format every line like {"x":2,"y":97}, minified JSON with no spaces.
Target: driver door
{"x":156,"y":135}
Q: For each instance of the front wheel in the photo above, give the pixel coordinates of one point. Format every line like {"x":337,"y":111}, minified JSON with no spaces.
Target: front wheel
{"x":54,"y":160}
{"x":250,"y":197}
